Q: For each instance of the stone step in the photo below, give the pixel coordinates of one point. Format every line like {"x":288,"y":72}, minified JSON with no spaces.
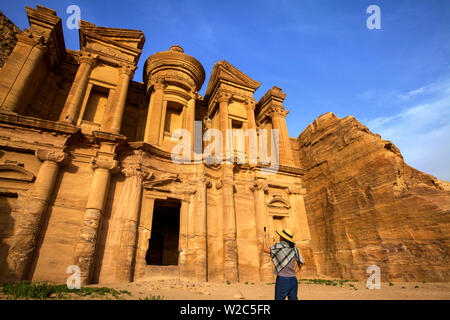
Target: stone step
{"x":163,"y":272}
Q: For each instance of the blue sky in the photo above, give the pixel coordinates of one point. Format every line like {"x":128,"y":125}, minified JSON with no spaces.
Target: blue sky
{"x":395,"y":80}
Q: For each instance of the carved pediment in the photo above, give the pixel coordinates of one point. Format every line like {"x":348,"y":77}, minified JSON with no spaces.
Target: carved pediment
{"x":111,"y":51}
{"x":129,"y":37}
{"x":158,"y":183}
{"x":150,"y":149}
{"x":224,"y":71}
{"x":13,"y":170}
{"x":277,"y":202}
{"x":121,"y":44}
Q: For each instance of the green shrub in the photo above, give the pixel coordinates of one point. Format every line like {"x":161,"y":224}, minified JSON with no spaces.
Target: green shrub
{"x":333,"y":283}
{"x":26,"y":290}
{"x":42,"y":290}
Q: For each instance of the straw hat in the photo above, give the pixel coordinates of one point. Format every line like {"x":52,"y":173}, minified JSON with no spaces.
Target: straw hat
{"x":286,"y":234}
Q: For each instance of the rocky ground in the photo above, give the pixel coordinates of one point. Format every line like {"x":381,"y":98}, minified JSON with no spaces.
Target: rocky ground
{"x":178,"y":290}
{"x":173,"y":289}
{"x":167,"y":288}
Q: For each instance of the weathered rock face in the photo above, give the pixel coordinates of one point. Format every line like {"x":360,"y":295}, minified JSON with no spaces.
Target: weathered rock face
{"x":366,"y":206}
{"x":8,"y":39}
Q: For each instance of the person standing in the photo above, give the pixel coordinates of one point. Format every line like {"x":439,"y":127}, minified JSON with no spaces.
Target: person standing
{"x":285,"y":257}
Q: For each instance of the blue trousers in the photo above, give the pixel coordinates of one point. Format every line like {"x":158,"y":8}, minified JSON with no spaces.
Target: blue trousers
{"x":286,"y":287}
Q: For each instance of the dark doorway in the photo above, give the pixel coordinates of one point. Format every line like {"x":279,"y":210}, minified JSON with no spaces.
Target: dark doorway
{"x":163,"y":244}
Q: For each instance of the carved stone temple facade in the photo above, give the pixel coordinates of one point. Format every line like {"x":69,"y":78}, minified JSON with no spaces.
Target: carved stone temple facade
{"x":86,"y":171}
{"x":87,"y":177}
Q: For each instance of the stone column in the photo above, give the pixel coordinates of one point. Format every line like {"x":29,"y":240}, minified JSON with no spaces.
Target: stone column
{"x":223,"y":99}
{"x":76,"y":94}
{"x":189,"y":269}
{"x":229,"y":219}
{"x":144,"y":235}
{"x":154,"y":115}
{"x":129,"y":207}
{"x":31,"y":211}
{"x":201,"y":268}
{"x":278,"y":116}
{"x":265,"y":267}
{"x":230,"y":264}
{"x":17,"y":74}
{"x":85,"y":249}
{"x":250,"y":108}
{"x":251,"y":141}
{"x":190,"y":118}
{"x":215,"y":236}
{"x":183,"y":241}
{"x":125,"y":75}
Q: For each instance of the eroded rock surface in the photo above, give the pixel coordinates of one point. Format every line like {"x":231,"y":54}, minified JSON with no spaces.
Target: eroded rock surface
{"x":366,"y":206}
{"x":8,"y":39}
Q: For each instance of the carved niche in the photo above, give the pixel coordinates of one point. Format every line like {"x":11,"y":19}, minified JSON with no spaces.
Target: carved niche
{"x":278,"y":210}
{"x":15,"y":171}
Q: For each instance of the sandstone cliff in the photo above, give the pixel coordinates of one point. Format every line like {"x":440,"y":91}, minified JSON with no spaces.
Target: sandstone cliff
{"x":366,"y":206}
{"x":8,"y":39}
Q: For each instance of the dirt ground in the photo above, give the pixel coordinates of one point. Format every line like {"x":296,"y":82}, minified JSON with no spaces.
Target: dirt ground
{"x":170,"y":288}
{"x":173,"y":289}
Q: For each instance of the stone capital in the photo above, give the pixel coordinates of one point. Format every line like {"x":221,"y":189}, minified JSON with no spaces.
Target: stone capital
{"x":159,"y":84}
{"x":194,"y":95}
{"x":223,"y":97}
{"x":207,"y":123}
{"x":200,"y":182}
{"x":278,"y":111}
{"x":227,"y":181}
{"x":128,"y":70}
{"x":50,"y":155}
{"x":250,"y":104}
{"x":259,"y":185}
{"x":88,"y":58}
{"x":219,"y":185}
{"x":190,"y":190}
{"x":205,"y":182}
{"x":107,"y":164}
{"x":137,"y":170}
{"x":297,"y":190}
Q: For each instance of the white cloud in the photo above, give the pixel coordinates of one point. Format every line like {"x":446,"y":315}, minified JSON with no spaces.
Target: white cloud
{"x":422,"y":131}
{"x":411,"y":93}
{"x":417,"y":91}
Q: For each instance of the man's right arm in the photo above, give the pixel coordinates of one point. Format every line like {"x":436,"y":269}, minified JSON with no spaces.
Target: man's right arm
{"x":300,"y":260}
